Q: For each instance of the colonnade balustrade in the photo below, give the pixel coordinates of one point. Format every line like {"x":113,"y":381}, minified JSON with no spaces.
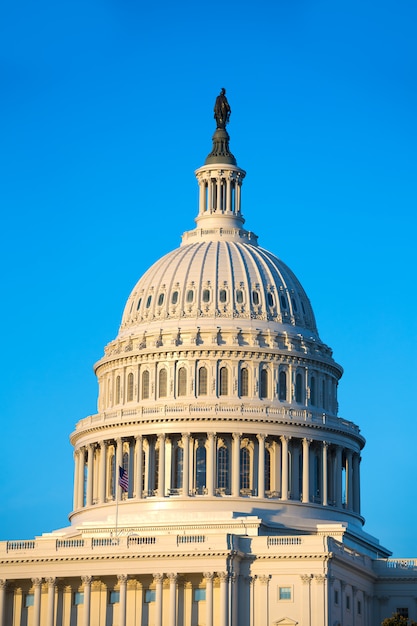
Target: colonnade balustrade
{"x":219,"y":464}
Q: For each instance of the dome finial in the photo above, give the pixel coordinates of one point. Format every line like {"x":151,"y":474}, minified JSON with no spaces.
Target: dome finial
{"x":221,"y":152}
{"x":222,"y":109}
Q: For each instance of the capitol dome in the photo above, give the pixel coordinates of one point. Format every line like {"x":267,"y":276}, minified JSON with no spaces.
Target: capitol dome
{"x":217,"y":397}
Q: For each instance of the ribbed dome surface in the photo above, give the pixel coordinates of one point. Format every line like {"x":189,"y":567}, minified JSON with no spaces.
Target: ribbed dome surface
{"x":220,"y":279}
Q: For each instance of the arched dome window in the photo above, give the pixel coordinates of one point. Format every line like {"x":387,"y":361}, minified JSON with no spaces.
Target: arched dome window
{"x":222,"y":296}
{"x":148,"y":302}
{"x":283,"y":302}
{"x":206,"y":295}
{"x":267,"y":469}
{"x":244,"y":382}
{"x":313,"y":391}
{"x":294,"y":305}
{"x":223,"y":381}
{"x":117,"y":391}
{"x":161,"y":299}
{"x":200,"y":468}
{"x":202,"y":381}
{"x":264,"y":384}
{"x":239,"y":296}
{"x":129,"y":387}
{"x":162,"y":386}
{"x":255,"y":298}
{"x":190,"y":296}
{"x":282,"y":386}
{"x":145,"y":385}
{"x":139,"y":303}
{"x":223,"y":468}
{"x":178,"y":467}
{"x":182,"y":381}
{"x":174,"y":297}
{"x":270,"y":299}
{"x":244,"y":468}
{"x":299,"y":388}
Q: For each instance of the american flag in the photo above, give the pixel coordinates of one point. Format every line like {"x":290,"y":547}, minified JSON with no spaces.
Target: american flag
{"x":123,"y":479}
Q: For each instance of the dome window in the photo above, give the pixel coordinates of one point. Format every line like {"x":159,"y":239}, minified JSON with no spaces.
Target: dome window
{"x":206,"y":295}
{"x":148,"y":302}
{"x":202,"y":381}
{"x":299,"y":388}
{"x":313,"y":391}
{"x":145,"y":385}
{"x":283,"y":386}
{"x":244,"y":382}
{"x":161,"y":299}
{"x":283,"y":302}
{"x":190,"y":296}
{"x":255,"y":298}
{"x":302,"y":306}
{"x":182,"y":381}
{"x":270,"y":298}
{"x":222,"y":295}
{"x":264,"y":384}
{"x":139,"y":303}
{"x":163,"y":383}
{"x":294,"y":305}
{"x":174,"y":297}
{"x":223,"y":381}
{"x":239,"y":296}
{"x":130,"y":387}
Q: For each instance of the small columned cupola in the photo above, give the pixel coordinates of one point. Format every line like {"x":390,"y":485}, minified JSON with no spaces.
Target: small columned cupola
{"x":220,"y":183}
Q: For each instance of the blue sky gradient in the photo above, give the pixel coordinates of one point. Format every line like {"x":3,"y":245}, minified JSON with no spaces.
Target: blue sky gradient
{"x":106,"y":111}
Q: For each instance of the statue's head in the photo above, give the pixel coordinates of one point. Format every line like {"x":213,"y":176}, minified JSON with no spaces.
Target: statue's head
{"x":223,"y":91}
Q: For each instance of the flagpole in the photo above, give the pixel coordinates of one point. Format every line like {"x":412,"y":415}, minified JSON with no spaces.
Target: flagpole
{"x":117,"y":500}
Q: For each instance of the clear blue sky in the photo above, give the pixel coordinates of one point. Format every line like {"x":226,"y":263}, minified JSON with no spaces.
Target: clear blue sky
{"x":105,"y":113}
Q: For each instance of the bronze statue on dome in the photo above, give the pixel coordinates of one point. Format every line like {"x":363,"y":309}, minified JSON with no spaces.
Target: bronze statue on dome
{"x":222,"y":109}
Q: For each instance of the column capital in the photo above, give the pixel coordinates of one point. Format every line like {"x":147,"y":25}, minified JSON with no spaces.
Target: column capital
{"x":51,"y":581}
{"x":158,"y":578}
{"x":320,"y":578}
{"x":122,"y":578}
{"x":185,"y":435}
{"x":305,"y":579}
{"x":223,"y":576}
{"x":86,"y":580}
{"x":138,"y":437}
{"x":261,"y":437}
{"x":208,"y":575}
{"x":264,"y":579}
{"x":3,"y":583}
{"x":36,"y":582}
{"x":172,"y":577}
{"x":161,"y":437}
{"x":236,"y":436}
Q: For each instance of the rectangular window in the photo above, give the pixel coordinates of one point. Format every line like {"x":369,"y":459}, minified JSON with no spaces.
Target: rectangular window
{"x":29,"y":600}
{"x":284,"y":593}
{"x":114,"y":597}
{"x":199,"y":595}
{"x":78,"y":598}
{"x":336,"y":596}
{"x":348,"y":603}
{"x":359,"y":608}
{"x":150,"y":595}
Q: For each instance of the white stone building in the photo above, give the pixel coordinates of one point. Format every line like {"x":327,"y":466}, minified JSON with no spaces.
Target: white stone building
{"x":242,"y":504}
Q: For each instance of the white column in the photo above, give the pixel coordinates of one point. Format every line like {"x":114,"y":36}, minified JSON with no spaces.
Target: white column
{"x":161,"y":472}
{"x":325,"y":497}
{"x":138,"y":466}
{"x":90,"y":473}
{"x":80,"y":478}
{"x":209,"y":597}
{"x":158,"y":580}
{"x":228,"y":194}
{"x":122,"y":578}
{"x":210,"y":470}
{"x":3,"y":587}
{"x":356,"y":484}
{"x":37,"y":582}
{"x":172,"y":599}
{"x":306,"y":470}
{"x":349,"y":480}
{"x":76,"y":482}
{"x":86,"y":580}
{"x":235,"y":600}
{"x":209,"y":195}
{"x":284,"y":467}
{"x":51,"y":602}
{"x":237,"y":195}
{"x":224,"y":577}
{"x":202,"y":189}
{"x":236,"y":464}
{"x":119,"y":463}
{"x":186,"y":465}
{"x":102,"y":477}
{"x":261,"y":465}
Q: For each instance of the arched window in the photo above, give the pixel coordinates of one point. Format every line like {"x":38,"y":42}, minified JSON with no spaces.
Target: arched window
{"x":255,"y":298}
{"x":162,"y":387}
{"x":202,"y":381}
{"x":223,"y":381}
{"x":200,"y":471}
{"x":299,"y":388}
{"x":112,"y":475}
{"x":267,"y":470}
{"x":270,"y":299}
{"x":145,"y":385}
{"x":222,"y":295}
{"x":206,"y":295}
{"x":264,"y":384}
{"x":117,"y":394}
{"x":223,"y":468}
{"x":174,"y":297}
{"x":161,"y":299}
{"x":190,"y":296}
{"x":323,"y":393}
{"x":182,"y":381}
{"x":283,"y":386}
{"x":130,"y":387}
{"x":244,"y":382}
{"x":244,"y":468}
{"x":239,"y":296}
{"x":178,"y":467}
{"x":317,"y":477}
{"x":313,"y":391}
